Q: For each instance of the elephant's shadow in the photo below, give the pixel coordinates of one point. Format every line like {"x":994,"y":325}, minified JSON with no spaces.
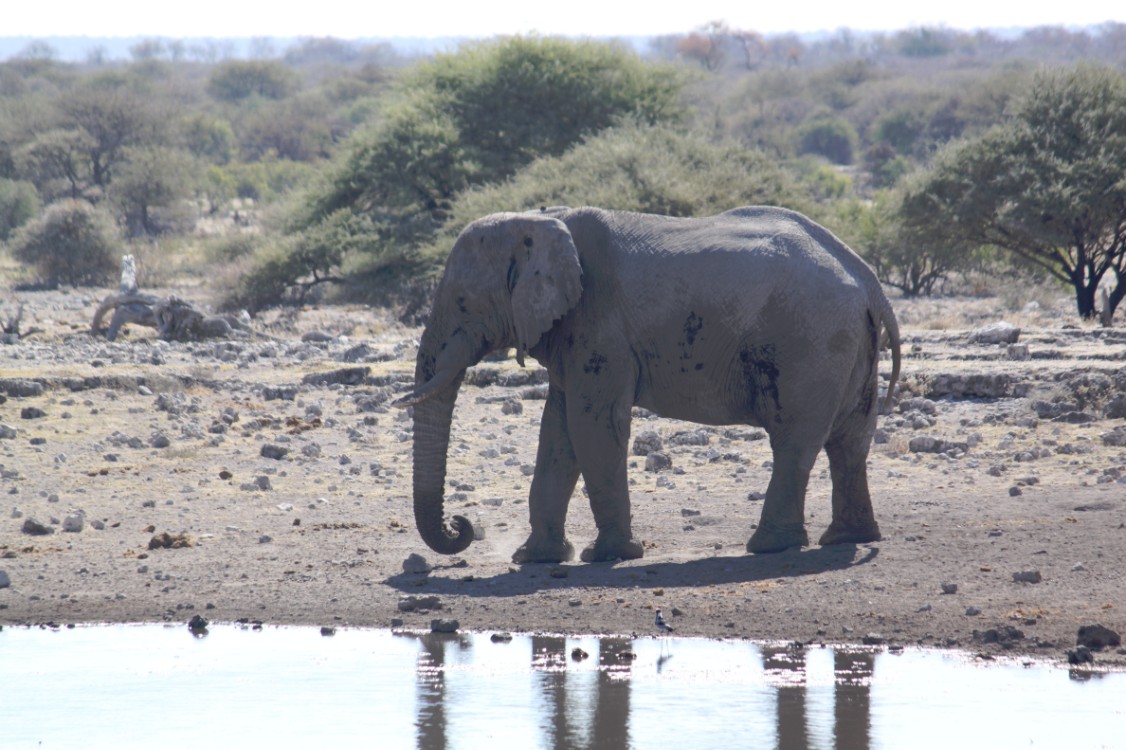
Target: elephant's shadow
{"x":532,"y":578}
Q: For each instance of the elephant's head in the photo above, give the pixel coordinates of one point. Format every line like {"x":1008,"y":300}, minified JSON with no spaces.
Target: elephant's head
{"x":509,"y":277}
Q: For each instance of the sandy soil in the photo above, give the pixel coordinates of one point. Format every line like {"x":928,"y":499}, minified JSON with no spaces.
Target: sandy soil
{"x":285,"y":496}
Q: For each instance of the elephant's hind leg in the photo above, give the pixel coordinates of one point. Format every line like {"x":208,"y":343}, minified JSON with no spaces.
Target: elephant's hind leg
{"x":854,"y":521}
{"x":782,"y":524}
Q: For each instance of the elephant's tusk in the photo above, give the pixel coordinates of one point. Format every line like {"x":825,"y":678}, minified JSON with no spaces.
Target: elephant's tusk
{"x":426,"y":390}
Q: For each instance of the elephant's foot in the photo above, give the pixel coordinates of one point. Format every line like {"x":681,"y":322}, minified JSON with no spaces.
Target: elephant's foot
{"x":856,"y":533}
{"x":538,"y":550}
{"x":608,"y":547}
{"x":772,"y":537}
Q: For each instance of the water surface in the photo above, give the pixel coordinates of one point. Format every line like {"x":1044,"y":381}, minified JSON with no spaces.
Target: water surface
{"x":152,"y":686}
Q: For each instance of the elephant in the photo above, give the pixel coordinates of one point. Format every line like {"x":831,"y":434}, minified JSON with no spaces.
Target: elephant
{"x":756,"y":316}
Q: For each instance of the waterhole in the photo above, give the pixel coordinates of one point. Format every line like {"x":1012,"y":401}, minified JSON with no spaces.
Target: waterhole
{"x":152,"y":686}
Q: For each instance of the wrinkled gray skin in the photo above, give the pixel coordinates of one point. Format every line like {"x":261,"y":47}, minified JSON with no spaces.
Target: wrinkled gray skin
{"x":757,"y":316}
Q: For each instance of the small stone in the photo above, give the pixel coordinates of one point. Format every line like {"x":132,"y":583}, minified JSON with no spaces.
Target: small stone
{"x":160,"y":440}
{"x":1015,"y":491}
{"x":35,"y":528}
{"x":265,"y":539}
{"x":416,"y":563}
{"x":657,"y":461}
{"x":949,"y":587}
{"x":263,"y":482}
{"x":577,"y":654}
{"x":1080,"y":655}
{"x":501,"y":637}
{"x":5,"y":580}
{"x":276,"y":452}
{"x":1097,"y":637}
{"x":415,"y":603}
{"x":32,"y":412}
{"x":74,"y":522}
{"x":328,"y":631}
{"x":873,"y":639}
{"x":972,"y":611}
{"x":198,"y":626}
{"x":444,"y":625}
{"x":647,"y":442}
{"x":559,"y":572}
{"x":7,"y":433}
{"x":1027,"y":576}
{"x":575,"y":601}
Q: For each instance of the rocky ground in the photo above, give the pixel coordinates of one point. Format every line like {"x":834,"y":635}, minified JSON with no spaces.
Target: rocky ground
{"x":267,"y":479}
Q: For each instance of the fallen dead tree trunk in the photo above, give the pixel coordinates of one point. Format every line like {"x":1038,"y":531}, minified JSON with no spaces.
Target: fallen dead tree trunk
{"x":173,"y":318}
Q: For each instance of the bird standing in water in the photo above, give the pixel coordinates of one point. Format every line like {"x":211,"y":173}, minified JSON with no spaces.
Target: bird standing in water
{"x":664,"y":629}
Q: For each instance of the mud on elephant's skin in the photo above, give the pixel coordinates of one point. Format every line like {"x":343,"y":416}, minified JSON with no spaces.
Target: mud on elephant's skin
{"x":756,"y":316}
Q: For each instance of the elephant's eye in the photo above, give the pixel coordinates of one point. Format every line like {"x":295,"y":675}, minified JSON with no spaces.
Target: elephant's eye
{"x":527,"y":242}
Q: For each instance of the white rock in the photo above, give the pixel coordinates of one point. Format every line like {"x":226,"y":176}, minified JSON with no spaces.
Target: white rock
{"x":1000,"y":332}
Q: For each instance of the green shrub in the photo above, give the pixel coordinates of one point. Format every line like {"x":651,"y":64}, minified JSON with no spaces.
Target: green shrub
{"x":635,"y":168}
{"x":832,"y":137}
{"x":19,"y":201}
{"x":70,"y":243}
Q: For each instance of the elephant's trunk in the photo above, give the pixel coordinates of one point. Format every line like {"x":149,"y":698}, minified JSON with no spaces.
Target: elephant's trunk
{"x":438,"y":376}
{"x":432,"y":420}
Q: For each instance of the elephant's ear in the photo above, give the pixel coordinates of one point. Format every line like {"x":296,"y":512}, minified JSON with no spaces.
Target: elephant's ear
{"x":549,"y":284}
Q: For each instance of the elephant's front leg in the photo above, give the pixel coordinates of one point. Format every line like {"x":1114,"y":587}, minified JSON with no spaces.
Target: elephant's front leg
{"x":553,"y":483}
{"x":600,"y":433}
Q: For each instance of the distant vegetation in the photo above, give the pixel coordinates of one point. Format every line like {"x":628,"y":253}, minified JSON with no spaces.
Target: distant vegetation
{"x":335,"y":170}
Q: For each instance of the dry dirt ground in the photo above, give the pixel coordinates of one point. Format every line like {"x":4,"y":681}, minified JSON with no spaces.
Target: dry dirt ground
{"x":274,"y":481}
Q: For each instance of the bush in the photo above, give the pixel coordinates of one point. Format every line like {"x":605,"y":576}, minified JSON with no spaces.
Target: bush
{"x":19,"y":201}
{"x":70,"y":243}
{"x":635,"y":168}
{"x":828,"y":136}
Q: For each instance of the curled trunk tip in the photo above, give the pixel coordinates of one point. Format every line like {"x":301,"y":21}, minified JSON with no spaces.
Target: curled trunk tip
{"x":446,"y":540}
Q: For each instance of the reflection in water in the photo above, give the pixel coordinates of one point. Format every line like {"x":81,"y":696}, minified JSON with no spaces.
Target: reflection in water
{"x":853,"y":712}
{"x":290,"y":687}
{"x":588,"y":706}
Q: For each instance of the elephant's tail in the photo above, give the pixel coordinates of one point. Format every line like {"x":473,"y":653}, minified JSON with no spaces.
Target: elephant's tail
{"x":891,"y":325}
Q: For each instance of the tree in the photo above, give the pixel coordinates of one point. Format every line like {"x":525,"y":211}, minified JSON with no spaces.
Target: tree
{"x":652,"y":169}
{"x":832,"y":137}
{"x":236,"y":80}
{"x":706,"y":45}
{"x":911,"y":261}
{"x":475,"y":117}
{"x":521,"y":98}
{"x":152,"y":177}
{"x":19,"y":202}
{"x":70,"y":243}
{"x":1047,"y":186}
{"x":109,"y":118}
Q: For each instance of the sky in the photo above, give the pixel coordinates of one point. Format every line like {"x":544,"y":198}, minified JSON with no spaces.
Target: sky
{"x":349,"y":19}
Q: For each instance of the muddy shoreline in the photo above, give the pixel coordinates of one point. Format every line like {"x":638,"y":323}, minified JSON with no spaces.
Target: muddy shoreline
{"x":999,"y":482}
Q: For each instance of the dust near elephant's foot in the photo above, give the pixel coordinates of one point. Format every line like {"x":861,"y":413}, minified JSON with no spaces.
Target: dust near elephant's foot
{"x":861,"y":533}
{"x":772,"y":537}
{"x":544,"y":551}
